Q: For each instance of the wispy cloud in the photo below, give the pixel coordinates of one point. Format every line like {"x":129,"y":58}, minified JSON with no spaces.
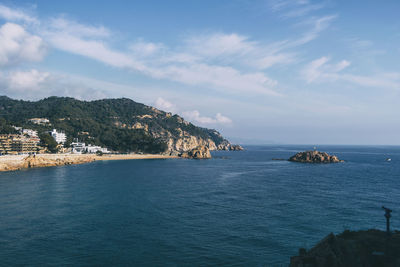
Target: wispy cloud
{"x":294,"y":8}
{"x":318,"y":25}
{"x":13,"y":14}
{"x":160,"y":62}
{"x":320,"y":71}
{"x":70,"y":27}
{"x":230,"y":63}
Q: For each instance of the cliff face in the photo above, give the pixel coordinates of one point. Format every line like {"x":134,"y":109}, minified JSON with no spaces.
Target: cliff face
{"x":372,"y":248}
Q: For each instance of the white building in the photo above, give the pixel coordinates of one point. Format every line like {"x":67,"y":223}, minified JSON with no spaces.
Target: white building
{"x":79,"y":148}
{"x":30,"y":132}
{"x":94,"y":149}
{"x":40,"y":121}
{"x":60,"y":137}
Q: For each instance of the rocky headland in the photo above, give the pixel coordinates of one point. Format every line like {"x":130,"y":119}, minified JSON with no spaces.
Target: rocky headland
{"x":314,"y":157}
{"x":372,"y":248}
{"x":121,"y":125}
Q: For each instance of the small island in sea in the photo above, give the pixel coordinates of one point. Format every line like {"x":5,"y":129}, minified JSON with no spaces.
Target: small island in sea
{"x":314,"y":157}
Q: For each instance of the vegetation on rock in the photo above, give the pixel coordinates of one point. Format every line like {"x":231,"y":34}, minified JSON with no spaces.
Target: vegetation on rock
{"x":372,"y":248}
{"x":314,"y":157}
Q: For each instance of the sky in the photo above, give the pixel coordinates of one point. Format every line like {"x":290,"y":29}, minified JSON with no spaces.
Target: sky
{"x":260,"y":72}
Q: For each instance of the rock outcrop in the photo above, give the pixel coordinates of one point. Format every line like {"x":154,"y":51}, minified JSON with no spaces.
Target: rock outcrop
{"x":236,"y":148}
{"x":11,"y":163}
{"x":42,"y":161}
{"x":314,"y":157}
{"x":201,"y":152}
{"x":372,"y":248}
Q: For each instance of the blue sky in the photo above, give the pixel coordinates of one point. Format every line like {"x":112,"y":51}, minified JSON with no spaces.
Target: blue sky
{"x":271,"y":71}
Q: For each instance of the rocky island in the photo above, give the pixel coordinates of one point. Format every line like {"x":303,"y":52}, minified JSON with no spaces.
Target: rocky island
{"x":371,"y":248}
{"x":314,"y":157}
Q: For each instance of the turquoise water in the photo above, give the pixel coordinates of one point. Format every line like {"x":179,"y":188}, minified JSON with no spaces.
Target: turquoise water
{"x":238,"y":209}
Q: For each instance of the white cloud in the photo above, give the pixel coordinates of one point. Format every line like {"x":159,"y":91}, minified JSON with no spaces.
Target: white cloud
{"x":143,"y":49}
{"x":66,"y":26}
{"x":313,"y":70}
{"x":229,"y":63}
{"x":280,"y":5}
{"x":318,"y":24}
{"x":320,"y":71}
{"x":235,"y":49}
{"x":294,"y":8}
{"x":341,"y":66}
{"x":93,"y":49}
{"x":17,"y":45}
{"x":216,"y":45}
{"x":195,"y":116}
{"x":34,"y":84}
{"x":16,"y":15}
{"x":164,"y":105}
{"x":27,"y":80}
{"x":222,"y":119}
{"x":184,"y":71}
{"x":219,"y":78}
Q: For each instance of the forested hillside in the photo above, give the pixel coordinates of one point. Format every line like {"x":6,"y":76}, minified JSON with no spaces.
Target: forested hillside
{"x":118,"y":124}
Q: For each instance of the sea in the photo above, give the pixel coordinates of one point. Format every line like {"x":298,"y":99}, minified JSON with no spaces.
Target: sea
{"x":240,"y":208}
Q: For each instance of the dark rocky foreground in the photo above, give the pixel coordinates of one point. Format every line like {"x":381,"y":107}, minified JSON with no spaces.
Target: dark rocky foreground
{"x":372,"y":248}
{"x":314,"y":157}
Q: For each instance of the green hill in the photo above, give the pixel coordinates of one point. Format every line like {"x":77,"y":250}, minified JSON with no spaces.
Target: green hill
{"x":118,"y":124}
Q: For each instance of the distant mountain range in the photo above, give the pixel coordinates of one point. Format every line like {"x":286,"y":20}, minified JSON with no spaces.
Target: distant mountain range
{"x":118,"y":124}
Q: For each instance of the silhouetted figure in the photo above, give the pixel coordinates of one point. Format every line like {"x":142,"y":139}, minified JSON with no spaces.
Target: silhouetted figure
{"x":387,"y":215}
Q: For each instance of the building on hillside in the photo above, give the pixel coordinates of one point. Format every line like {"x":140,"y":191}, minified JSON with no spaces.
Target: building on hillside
{"x":18,"y":144}
{"x":94,"y":149}
{"x":30,"y":132}
{"x":60,"y":137}
{"x":40,"y":121}
{"x":80,"y":147}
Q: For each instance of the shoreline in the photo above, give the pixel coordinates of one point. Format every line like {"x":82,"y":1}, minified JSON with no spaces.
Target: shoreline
{"x":18,"y":162}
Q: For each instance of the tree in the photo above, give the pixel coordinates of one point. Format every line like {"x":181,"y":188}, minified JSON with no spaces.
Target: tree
{"x":5,"y":127}
{"x":46,"y":140}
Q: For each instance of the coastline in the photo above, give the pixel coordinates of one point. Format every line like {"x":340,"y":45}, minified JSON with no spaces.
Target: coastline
{"x":18,"y":162}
